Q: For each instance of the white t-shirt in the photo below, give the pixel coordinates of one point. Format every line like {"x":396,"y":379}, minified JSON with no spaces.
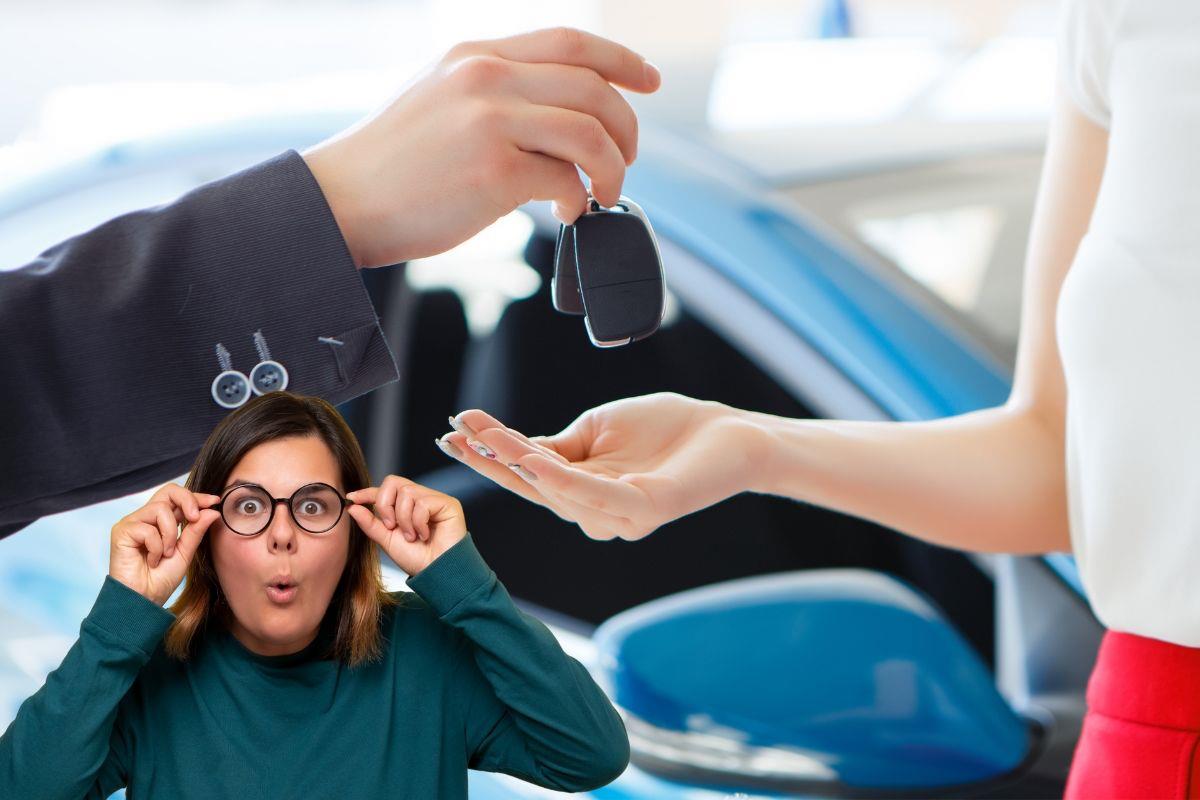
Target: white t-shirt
{"x":1128,"y":325}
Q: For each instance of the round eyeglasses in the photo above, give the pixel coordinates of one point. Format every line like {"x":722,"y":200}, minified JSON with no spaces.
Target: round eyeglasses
{"x":248,"y":508}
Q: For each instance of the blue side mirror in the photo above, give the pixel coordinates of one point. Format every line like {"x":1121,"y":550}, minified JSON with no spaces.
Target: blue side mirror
{"x":831,"y":680}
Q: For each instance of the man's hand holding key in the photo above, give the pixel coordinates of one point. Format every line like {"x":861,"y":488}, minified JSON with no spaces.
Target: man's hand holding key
{"x":490,"y":126}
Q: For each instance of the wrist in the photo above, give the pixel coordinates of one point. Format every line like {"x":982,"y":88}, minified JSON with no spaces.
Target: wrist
{"x":758,"y":448}
{"x":744,"y":441}
{"x":129,"y":583}
{"x":452,"y":576}
{"x":330,"y":171}
{"x":127,"y":615}
{"x":441,"y":552}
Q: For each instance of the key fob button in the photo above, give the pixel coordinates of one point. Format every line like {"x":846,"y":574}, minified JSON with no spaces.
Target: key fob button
{"x":623,"y":312}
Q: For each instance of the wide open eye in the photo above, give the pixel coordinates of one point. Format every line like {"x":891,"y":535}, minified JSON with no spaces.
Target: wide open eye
{"x":317,"y":508}
{"x":250,"y":506}
{"x":311,"y":507}
{"x":247,"y":509}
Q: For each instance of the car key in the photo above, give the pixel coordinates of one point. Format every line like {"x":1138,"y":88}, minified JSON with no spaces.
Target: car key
{"x":564,"y":286}
{"x":617,"y":282}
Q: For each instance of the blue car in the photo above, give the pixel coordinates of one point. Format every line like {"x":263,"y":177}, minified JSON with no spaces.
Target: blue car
{"x":761,"y":647}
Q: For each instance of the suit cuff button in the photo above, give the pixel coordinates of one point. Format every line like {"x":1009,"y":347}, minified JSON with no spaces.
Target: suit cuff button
{"x":230,"y":389}
{"x":268,"y":376}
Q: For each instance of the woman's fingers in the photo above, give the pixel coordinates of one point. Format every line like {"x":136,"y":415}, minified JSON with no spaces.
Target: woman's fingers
{"x":148,"y":536}
{"x":420,"y":519}
{"x":371,"y":525}
{"x":180,"y":497}
{"x":612,"y":496}
{"x":394,"y":505}
{"x":581,"y":89}
{"x":404,"y":513}
{"x":385,"y":503}
{"x":596,"y":524}
{"x":160,"y":516}
{"x":602,"y":507}
{"x":473,"y":421}
{"x":168,"y":528}
{"x":571,"y":492}
{"x":614,"y":62}
{"x":193,"y":532}
{"x":405,"y":497}
{"x":363,"y":496}
{"x":497,"y":471}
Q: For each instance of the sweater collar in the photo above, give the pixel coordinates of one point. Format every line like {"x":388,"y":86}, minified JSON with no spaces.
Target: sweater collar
{"x":312,"y":652}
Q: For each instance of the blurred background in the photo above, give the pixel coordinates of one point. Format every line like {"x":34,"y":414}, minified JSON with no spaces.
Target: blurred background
{"x":842,"y":190}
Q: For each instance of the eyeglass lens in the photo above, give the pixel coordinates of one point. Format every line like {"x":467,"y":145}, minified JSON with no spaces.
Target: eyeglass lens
{"x":315,"y":508}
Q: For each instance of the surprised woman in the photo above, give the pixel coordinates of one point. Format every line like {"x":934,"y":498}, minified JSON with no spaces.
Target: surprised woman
{"x":284,"y":668}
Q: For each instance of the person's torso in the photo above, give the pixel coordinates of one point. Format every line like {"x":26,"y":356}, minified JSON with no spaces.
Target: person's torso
{"x":225,"y":725}
{"x":1128,"y":326}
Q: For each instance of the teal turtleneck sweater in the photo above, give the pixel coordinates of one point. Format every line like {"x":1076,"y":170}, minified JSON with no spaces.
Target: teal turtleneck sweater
{"x":467,"y":680}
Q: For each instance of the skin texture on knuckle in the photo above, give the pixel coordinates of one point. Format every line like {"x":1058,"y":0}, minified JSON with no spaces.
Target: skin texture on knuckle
{"x":480,"y":74}
{"x":594,"y":136}
{"x":571,"y":42}
{"x":460,"y":51}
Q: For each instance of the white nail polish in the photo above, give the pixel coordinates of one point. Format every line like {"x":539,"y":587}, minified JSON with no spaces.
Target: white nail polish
{"x":482,"y":449}
{"x":524,"y":473}
{"x":462,"y":427}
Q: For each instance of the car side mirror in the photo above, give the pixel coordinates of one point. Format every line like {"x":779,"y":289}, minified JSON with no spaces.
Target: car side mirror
{"x":840,"y":682}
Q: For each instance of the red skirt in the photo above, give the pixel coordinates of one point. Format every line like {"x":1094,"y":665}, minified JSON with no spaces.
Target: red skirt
{"x":1142,"y":726}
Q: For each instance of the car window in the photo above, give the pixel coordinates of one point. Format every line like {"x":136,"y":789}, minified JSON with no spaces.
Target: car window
{"x":954,"y":232}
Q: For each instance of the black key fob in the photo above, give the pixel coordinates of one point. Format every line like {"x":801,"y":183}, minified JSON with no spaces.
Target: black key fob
{"x":564,"y":286}
{"x":617,"y":282}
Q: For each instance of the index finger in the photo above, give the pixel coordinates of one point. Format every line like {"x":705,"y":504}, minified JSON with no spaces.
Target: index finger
{"x":364,"y":496}
{"x":181,"y":498}
{"x":614,"y":62}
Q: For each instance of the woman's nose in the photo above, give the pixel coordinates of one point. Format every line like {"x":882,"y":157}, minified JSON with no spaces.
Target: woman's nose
{"x":281,"y":533}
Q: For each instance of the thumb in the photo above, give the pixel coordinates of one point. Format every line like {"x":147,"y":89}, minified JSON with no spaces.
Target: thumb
{"x":193,"y":532}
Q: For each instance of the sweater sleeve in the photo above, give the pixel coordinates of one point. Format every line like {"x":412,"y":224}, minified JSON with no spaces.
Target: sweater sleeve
{"x":532,"y":711}
{"x":66,"y":740}
{"x":111,"y":337}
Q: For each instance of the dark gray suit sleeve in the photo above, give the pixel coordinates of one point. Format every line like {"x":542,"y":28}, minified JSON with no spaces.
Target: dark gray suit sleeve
{"x":109,"y":339}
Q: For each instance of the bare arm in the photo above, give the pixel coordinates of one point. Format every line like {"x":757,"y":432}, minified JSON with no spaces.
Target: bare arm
{"x":988,"y":480}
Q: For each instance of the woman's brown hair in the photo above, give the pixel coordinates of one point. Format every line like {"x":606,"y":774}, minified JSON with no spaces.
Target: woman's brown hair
{"x":356,"y":609}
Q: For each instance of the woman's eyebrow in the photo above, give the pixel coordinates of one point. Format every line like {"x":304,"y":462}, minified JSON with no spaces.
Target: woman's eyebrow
{"x":235,"y":481}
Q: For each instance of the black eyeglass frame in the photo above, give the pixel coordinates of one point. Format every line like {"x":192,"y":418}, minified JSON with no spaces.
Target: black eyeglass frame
{"x":275,"y":501}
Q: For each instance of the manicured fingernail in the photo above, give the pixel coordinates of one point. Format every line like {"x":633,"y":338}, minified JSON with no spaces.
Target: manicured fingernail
{"x":462,"y":427}
{"x":449,"y":448}
{"x":524,"y":473}
{"x":482,"y":449}
{"x":653,"y":75}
